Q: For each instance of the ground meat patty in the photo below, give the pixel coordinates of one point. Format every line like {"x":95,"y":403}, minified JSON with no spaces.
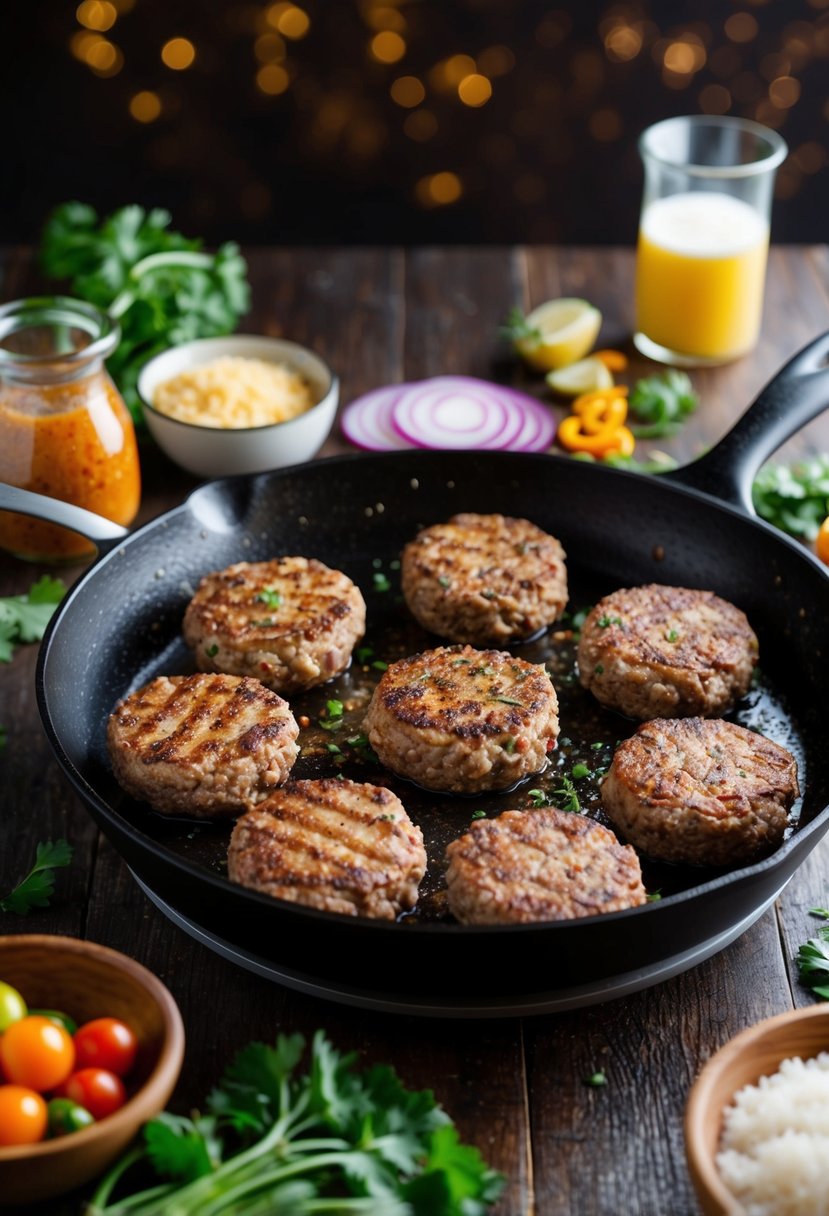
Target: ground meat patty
{"x":291,"y":622}
{"x":666,"y":652}
{"x":540,"y":865}
{"x":202,"y":745}
{"x":700,"y":791}
{"x":331,"y":844}
{"x":484,"y":579}
{"x":463,"y":720}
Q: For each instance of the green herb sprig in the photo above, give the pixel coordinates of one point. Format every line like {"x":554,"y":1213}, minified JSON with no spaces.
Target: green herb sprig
{"x":38,"y":886}
{"x":813,"y":958}
{"x":794,"y":497}
{"x":661,"y":404}
{"x":23,"y":618}
{"x":517,"y":329}
{"x":162,"y":288}
{"x":291,"y":1142}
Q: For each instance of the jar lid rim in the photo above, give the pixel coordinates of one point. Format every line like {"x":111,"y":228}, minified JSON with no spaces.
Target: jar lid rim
{"x":30,"y":311}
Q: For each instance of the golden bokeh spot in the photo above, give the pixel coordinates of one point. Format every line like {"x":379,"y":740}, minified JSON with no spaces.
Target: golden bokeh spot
{"x":448,"y":74}
{"x":605,"y":125}
{"x":420,"y":126}
{"x":97,"y":15}
{"x":438,"y":189}
{"x":407,"y":91}
{"x":382,"y":17}
{"x":81,"y":41}
{"x":496,"y":61}
{"x":623,"y":42}
{"x":288,"y":19}
{"x":272,"y":79}
{"x":769,"y":114}
{"x":145,"y":106}
{"x":715,"y":99}
{"x":684,"y":57}
{"x":104,"y":58}
{"x":387,"y":47}
{"x":741,"y":27}
{"x":269,"y":48}
{"x":784,"y":92}
{"x":178,"y":54}
{"x":474,"y":90}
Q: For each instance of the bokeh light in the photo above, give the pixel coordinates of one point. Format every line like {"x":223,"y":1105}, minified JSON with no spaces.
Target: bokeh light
{"x":474,"y":90}
{"x":407,"y":91}
{"x":97,"y":15}
{"x":145,"y":106}
{"x":387,"y":47}
{"x":178,"y":54}
{"x":272,"y":79}
{"x":439,"y":189}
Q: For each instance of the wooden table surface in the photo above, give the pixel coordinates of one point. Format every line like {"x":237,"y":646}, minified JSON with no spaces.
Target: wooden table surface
{"x":516,"y":1088}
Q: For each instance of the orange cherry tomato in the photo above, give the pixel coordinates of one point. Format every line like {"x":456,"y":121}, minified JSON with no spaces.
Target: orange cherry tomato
{"x":614,"y":360}
{"x":36,"y":1053}
{"x":106,"y":1043}
{"x":96,"y":1089}
{"x":822,"y":545}
{"x":23,"y":1116}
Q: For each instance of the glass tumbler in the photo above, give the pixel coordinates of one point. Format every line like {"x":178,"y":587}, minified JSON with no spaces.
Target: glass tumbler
{"x":703,"y":237}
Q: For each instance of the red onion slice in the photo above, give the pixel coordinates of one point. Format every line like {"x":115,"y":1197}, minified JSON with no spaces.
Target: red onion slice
{"x":366,"y":421}
{"x":455,"y":412}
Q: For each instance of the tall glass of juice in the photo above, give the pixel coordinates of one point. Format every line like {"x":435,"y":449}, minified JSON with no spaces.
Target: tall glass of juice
{"x":703,"y":237}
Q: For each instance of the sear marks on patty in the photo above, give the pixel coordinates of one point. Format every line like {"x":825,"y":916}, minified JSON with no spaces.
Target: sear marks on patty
{"x":202,"y":745}
{"x":291,"y":622}
{"x":331,"y":844}
{"x":700,"y":791}
{"x":540,"y":866}
{"x":484,"y":579}
{"x":463,"y":720}
{"x":666,"y":652}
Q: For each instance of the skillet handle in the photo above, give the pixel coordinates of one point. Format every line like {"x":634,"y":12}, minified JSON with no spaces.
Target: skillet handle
{"x":796,"y":395}
{"x":102,"y":532}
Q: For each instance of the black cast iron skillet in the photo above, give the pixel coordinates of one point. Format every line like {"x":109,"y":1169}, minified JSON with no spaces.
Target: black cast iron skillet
{"x":120,"y":625}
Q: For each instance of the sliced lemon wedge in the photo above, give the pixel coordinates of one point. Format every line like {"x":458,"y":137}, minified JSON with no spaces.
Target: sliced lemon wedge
{"x":559,"y":332}
{"x":586,"y":376}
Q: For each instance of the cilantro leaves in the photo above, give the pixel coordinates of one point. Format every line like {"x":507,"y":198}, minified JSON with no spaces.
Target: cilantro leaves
{"x":661,"y":403}
{"x":23,"y":618}
{"x":37,"y":887}
{"x":162,"y":288}
{"x":329,"y":1138}
{"x":794,"y":497}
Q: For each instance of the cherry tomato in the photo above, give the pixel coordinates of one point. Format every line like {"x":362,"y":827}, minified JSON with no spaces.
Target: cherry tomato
{"x":106,"y":1043}
{"x":99,"y":1091}
{"x":823,"y":542}
{"x":58,"y":1017}
{"x":65,"y":1117}
{"x":12,"y":1006}
{"x":22,"y":1115}
{"x":37,"y":1053}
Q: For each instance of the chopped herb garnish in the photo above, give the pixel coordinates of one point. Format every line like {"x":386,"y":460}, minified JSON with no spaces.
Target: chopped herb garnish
{"x":37,"y":887}
{"x":211,"y":651}
{"x":671,"y":635}
{"x":334,"y":709}
{"x":333,"y":749}
{"x":482,"y":671}
{"x":363,"y":748}
{"x":388,"y":818}
{"x":508,"y":701}
{"x":604,"y":622}
{"x":364,"y":653}
{"x":381,"y":582}
{"x":565,"y":741}
{"x":578,"y":620}
{"x":269,"y":597}
{"x":488,"y":593}
{"x":661,"y":403}
{"x":377,"y":563}
{"x":444,"y":581}
{"x":460,"y":662}
{"x":263,"y":623}
{"x":653,"y":897}
{"x":794,"y":497}
{"x":478,"y":815}
{"x":379,"y":665}
{"x":596,"y":747}
{"x":741,"y":772}
{"x":395,"y":565}
{"x":823,"y":913}
{"x":564,"y":796}
{"x":508,"y":745}
{"x":580,"y":771}
{"x":596,"y":1080}
{"x":538,"y":798}
{"x":598,"y":669}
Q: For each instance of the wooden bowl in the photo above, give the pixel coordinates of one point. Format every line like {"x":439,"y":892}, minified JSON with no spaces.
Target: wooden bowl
{"x":86,"y":981}
{"x":757,"y":1052}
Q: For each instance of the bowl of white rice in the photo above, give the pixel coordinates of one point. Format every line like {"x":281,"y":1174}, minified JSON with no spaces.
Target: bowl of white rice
{"x":757,"y":1120}
{"x":245,"y":403}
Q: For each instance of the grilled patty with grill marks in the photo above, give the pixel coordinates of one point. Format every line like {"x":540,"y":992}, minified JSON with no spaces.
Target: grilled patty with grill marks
{"x":463,"y":720}
{"x":700,"y":791}
{"x":202,"y":745}
{"x":336,"y":845}
{"x":291,"y":622}
{"x":666,"y":652}
{"x":484,"y":579}
{"x":539,"y":866}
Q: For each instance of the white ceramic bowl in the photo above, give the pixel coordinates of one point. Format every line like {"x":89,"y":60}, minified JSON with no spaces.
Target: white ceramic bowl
{"x":223,"y":452}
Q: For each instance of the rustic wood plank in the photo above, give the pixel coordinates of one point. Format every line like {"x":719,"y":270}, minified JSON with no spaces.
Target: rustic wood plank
{"x":808,"y":889}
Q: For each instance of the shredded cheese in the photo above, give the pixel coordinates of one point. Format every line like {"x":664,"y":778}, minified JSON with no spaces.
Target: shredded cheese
{"x":234,"y":392}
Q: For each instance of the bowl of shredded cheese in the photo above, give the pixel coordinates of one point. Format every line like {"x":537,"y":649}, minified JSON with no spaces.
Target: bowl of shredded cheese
{"x":241,"y":404}
{"x":757,"y":1120}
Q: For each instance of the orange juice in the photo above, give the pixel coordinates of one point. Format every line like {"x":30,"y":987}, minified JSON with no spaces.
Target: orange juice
{"x":700,"y":269}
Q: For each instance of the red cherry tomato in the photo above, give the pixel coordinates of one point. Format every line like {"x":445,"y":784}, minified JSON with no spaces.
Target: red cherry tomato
{"x":36,"y":1053}
{"x":106,"y":1043}
{"x":23,"y":1116}
{"x":96,"y":1089}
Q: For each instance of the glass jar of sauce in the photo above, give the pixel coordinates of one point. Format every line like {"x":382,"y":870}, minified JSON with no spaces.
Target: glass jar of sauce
{"x":64,"y":428}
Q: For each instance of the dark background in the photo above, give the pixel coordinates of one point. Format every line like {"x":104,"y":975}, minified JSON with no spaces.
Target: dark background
{"x":292,"y":124}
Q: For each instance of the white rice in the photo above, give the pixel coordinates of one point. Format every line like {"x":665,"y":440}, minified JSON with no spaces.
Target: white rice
{"x":774,"y":1149}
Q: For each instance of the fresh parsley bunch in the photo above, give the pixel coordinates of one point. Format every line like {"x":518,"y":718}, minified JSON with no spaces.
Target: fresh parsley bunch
{"x":794,"y":497}
{"x":37,"y":888}
{"x":813,"y":958}
{"x":162,"y":288}
{"x":280,"y":1141}
{"x":661,"y":403}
